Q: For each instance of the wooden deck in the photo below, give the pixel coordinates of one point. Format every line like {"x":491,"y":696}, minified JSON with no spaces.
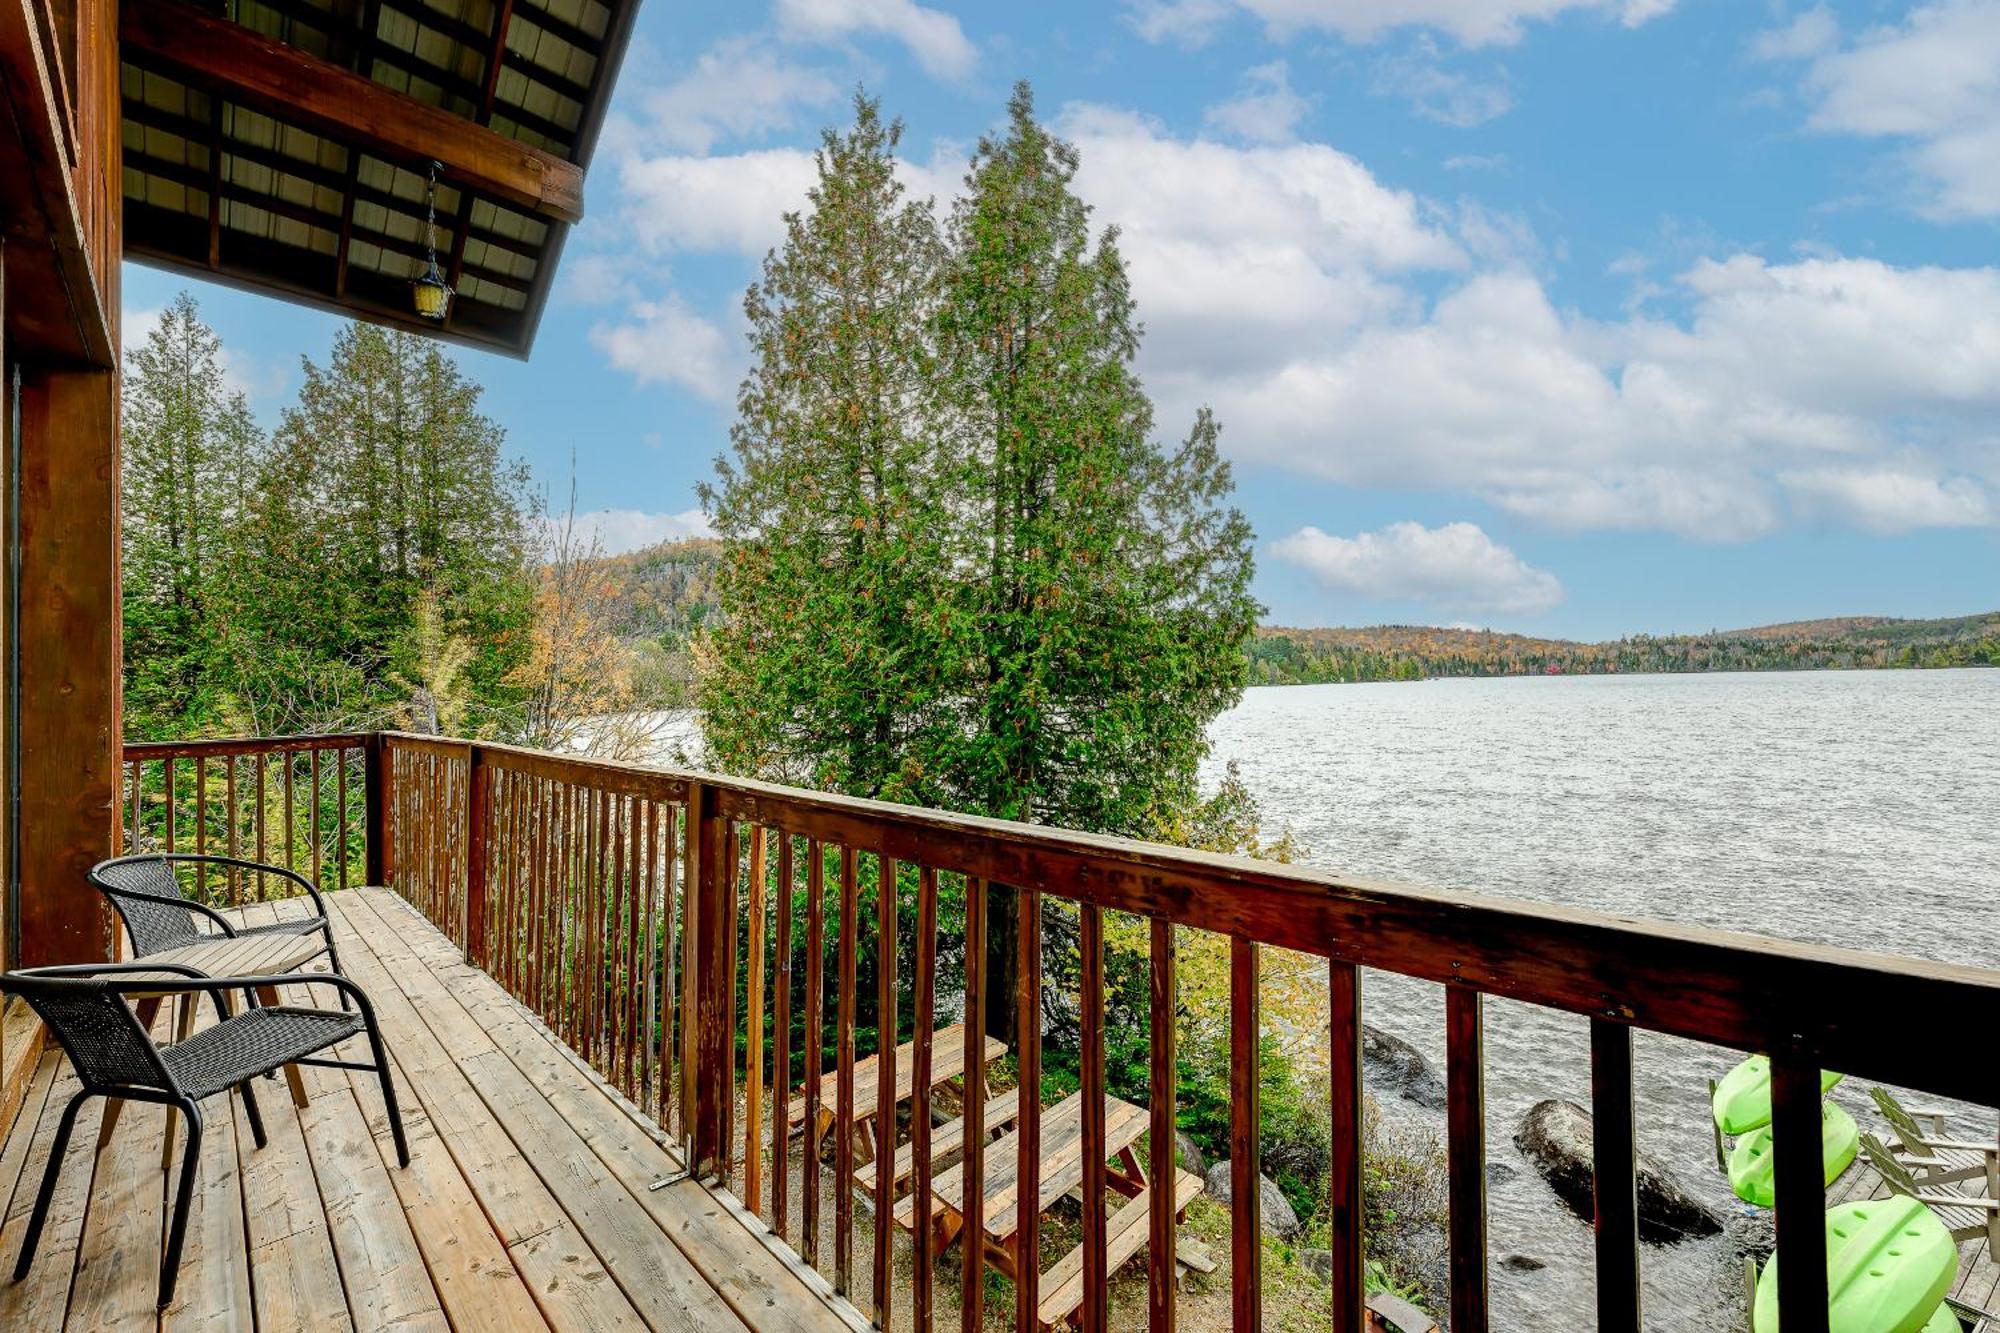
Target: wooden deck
{"x":1978,"y":1282}
{"x":528,"y":1202}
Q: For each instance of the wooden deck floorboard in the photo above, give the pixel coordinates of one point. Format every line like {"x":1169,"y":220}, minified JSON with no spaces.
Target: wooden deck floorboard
{"x":320,"y":1229}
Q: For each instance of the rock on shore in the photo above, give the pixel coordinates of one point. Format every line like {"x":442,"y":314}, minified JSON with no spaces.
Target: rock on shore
{"x":1556,"y":1136}
{"x":1393,"y":1063}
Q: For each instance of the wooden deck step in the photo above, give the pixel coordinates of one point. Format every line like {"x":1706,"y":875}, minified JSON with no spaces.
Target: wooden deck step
{"x":1124,"y":1236}
{"x":948,"y":1137}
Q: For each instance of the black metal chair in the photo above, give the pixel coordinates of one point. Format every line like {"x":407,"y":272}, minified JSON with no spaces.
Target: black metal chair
{"x":159,"y":916}
{"x":85,"y":1007}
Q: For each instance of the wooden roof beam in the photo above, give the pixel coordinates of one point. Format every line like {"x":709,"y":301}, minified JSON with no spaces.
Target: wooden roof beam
{"x":242,"y":65}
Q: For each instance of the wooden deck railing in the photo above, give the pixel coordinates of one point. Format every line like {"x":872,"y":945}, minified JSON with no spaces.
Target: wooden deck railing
{"x":294,"y":801}
{"x":678,"y":929}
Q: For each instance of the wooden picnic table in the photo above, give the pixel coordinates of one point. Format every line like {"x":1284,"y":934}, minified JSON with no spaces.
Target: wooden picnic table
{"x":1061,"y":1168}
{"x":947,"y":1063}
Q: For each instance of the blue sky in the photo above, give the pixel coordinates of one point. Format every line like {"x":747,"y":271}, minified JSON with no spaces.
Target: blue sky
{"x":1577,"y":317}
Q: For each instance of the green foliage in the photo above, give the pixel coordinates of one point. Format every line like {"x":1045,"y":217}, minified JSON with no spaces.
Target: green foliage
{"x":959,"y":569}
{"x":831,"y":664}
{"x":190,"y":448}
{"x":367,"y":565}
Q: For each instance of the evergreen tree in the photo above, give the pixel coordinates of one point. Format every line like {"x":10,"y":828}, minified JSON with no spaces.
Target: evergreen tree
{"x":385,"y":484}
{"x":1108,"y":591}
{"x":830,"y":667}
{"x":190,"y":449}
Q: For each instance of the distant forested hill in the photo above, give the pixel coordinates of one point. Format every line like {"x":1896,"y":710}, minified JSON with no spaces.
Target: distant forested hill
{"x":1280,"y":656}
{"x":664,"y":593}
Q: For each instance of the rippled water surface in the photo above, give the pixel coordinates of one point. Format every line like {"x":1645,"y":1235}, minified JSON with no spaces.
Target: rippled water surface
{"x":1859,"y":809}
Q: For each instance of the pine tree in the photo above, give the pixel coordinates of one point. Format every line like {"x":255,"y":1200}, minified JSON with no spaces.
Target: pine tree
{"x":190,"y":452}
{"x":830,"y":666}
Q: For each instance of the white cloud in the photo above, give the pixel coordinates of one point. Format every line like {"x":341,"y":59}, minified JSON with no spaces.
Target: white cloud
{"x":665,"y":341}
{"x":933,"y":38}
{"x":1469,"y":22}
{"x":1690,"y":427}
{"x":733,"y":203}
{"x":1931,"y":82}
{"x":739,"y":88}
{"x":1434,"y":92}
{"x":1808,"y":34}
{"x":1887,"y":500}
{"x":616,"y":531}
{"x":1347,"y":330}
{"x":1456,"y":567}
{"x":1267,"y":111}
{"x":1188,"y":23}
{"x":1476,"y":162}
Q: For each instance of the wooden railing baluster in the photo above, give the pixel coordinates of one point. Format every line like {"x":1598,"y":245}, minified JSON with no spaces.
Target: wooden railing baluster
{"x":1162,"y":997}
{"x":318,"y":852}
{"x":339,"y":809}
{"x":1465,"y":1148}
{"x":843,"y":1092}
{"x":753,"y":1064}
{"x":1614,"y":1178}
{"x":815,"y":1002}
{"x":201,"y":824}
{"x":1246,"y":1236}
{"x":924,"y":1001}
{"x":1090,"y":944}
{"x":781,"y":1041}
{"x":1799,"y":1183}
{"x":1028,"y":1127}
{"x":886,"y":1038}
{"x":972,"y":1287}
{"x":173,"y":800}
{"x":1344,"y":1180}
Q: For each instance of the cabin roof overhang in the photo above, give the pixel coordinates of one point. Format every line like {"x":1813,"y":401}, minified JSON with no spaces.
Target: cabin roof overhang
{"x":283,"y":146}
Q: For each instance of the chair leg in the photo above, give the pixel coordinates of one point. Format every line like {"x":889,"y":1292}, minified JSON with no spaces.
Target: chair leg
{"x":251,"y":1112}
{"x":40,"y":1216}
{"x":388,"y":1089}
{"x":170,"y":1263}
{"x":333,"y":961}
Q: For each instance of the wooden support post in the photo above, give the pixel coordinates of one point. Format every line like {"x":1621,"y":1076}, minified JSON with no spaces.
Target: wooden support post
{"x":69,"y":638}
{"x":1465,"y":1116}
{"x":1344,"y":1202}
{"x":714,"y":942}
{"x":375,"y":801}
{"x":479,"y":813}
{"x":1800,"y":1185}
{"x":1246,"y":1245}
{"x":1614,"y":1177}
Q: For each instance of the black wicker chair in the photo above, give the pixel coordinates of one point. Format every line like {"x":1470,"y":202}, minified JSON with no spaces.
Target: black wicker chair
{"x":158,"y":916}
{"x":85,"y":1007}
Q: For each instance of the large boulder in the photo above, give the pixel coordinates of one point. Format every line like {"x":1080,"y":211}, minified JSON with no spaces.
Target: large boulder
{"x":1192,"y":1160}
{"x":1395,"y":1064}
{"x":1556,"y":1136}
{"x":1279,"y":1221}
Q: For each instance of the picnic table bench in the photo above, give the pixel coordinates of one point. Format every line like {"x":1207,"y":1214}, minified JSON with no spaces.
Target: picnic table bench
{"x":1061,"y":1171}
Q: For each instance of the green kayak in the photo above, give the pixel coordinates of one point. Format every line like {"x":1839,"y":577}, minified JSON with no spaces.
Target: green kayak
{"x":1889,"y":1263}
{"x":1743,"y":1098}
{"x":1750,"y":1161}
{"x":1944,"y":1321}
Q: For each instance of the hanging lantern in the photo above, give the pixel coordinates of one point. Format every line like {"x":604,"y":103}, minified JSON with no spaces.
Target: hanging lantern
{"x":430,"y":292}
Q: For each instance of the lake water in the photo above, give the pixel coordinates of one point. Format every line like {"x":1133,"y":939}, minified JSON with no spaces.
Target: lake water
{"x":1850,"y":808}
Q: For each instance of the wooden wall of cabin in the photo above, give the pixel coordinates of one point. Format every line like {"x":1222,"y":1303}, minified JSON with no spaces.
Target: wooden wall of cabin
{"x":60,"y":630}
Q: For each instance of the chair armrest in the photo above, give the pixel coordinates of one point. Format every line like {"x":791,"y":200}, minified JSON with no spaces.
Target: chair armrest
{"x":88,"y":970}
{"x":1989,"y":1147}
{"x":199,"y":983}
{"x":1960,"y":1201}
